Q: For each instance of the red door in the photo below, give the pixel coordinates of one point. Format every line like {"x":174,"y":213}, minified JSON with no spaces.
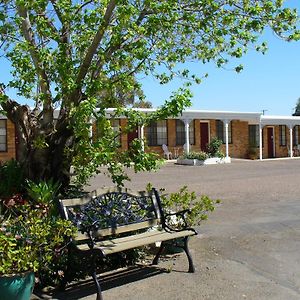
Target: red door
{"x":270,"y":142}
{"x":204,"y":136}
{"x":131,"y":136}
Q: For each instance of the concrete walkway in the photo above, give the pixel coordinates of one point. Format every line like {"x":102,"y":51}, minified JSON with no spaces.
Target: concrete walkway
{"x":249,"y":247}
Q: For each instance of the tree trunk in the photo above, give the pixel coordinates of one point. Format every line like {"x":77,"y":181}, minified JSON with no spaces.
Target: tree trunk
{"x":41,"y":152}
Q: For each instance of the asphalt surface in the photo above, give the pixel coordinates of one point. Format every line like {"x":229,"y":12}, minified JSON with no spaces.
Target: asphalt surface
{"x":247,"y":249}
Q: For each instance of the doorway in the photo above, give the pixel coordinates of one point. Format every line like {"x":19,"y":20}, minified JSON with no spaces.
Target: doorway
{"x":204,"y":136}
{"x":270,"y":136}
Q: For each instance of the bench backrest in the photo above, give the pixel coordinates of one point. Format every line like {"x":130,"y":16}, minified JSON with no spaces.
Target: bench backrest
{"x":111,"y":212}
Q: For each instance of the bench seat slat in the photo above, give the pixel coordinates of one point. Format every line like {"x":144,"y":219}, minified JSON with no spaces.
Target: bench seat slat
{"x":137,"y":240}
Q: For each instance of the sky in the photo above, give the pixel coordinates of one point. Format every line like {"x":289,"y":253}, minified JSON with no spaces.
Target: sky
{"x":269,"y":83}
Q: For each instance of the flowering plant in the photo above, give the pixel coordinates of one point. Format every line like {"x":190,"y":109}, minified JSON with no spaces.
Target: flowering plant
{"x":30,"y":237}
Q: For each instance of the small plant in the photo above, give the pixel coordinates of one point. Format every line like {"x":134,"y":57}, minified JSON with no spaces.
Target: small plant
{"x":198,"y":207}
{"x":195,"y":155}
{"x":214,"y":148}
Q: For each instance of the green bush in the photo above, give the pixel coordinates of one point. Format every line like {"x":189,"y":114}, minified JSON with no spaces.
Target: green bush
{"x":195,"y":155}
{"x":31,"y":239}
{"x":214,"y":148}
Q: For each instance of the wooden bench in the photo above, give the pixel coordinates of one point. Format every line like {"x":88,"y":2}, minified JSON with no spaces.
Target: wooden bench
{"x":111,"y":221}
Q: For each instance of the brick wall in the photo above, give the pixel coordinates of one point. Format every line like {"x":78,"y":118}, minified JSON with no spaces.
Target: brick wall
{"x":11,"y":145}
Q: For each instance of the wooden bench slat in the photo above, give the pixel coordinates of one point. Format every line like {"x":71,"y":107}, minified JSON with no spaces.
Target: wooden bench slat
{"x":119,"y":230}
{"x":138,"y":240}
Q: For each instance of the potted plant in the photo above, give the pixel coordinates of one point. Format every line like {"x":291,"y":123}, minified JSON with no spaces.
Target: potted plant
{"x":30,"y":240}
{"x":193,"y":158}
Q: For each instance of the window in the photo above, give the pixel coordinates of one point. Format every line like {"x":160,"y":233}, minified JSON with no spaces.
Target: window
{"x":180,"y":133}
{"x":221,"y":131}
{"x":296,"y":135}
{"x":157,"y":133}
{"x":3,"y":136}
{"x":253,"y":135}
{"x":282,"y":135}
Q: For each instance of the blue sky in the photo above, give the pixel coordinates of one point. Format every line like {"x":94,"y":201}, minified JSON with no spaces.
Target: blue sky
{"x":268,"y":82}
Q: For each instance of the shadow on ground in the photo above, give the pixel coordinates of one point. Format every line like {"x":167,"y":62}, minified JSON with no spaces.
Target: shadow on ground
{"x":85,"y":288}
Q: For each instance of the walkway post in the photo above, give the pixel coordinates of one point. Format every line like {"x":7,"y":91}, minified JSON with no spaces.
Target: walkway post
{"x":226,"y":139}
{"x":291,"y":140}
{"x":142,"y":137}
{"x":187,"y":135}
{"x":260,"y":142}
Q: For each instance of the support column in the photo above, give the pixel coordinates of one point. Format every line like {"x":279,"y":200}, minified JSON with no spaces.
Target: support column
{"x":260,"y":142}
{"x":142,"y":136}
{"x":291,"y":140}
{"x":187,"y":135}
{"x":226,"y":139}
{"x":226,"y":123}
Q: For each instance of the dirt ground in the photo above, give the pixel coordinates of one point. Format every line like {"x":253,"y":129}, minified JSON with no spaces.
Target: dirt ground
{"x":248,"y":248}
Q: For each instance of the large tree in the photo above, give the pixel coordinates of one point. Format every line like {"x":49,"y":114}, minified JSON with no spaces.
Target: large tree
{"x":80,"y":57}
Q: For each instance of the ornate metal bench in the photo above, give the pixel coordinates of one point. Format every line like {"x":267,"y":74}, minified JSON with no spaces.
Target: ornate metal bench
{"x":112,"y":221}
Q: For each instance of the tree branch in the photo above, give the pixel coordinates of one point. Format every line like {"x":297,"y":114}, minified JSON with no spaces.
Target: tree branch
{"x":43,"y":78}
{"x":95,"y":43}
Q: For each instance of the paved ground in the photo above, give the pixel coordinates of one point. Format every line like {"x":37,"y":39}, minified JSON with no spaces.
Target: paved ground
{"x":249,"y":247}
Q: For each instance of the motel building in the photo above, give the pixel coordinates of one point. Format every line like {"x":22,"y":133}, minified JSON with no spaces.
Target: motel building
{"x":272,"y":136}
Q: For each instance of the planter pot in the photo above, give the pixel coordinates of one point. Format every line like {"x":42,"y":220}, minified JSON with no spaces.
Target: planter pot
{"x":190,"y":162}
{"x":17,"y":287}
{"x":214,"y":161}
{"x":208,"y":161}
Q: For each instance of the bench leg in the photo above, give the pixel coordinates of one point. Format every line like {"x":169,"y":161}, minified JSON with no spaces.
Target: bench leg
{"x":99,"y":294}
{"x":188,"y":254}
{"x":160,"y":250}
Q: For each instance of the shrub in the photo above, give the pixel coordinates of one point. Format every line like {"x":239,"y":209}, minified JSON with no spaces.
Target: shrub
{"x":214,"y":148}
{"x":31,"y":239}
{"x":195,"y":155}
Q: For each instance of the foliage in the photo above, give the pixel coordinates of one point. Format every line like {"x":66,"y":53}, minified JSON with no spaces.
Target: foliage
{"x":198,"y":206}
{"x":142,"y":104}
{"x":195,"y":155}
{"x":32,"y":236}
{"x":81,"y":57}
{"x":42,"y":192}
{"x":297,"y":108}
{"x":31,"y":239}
{"x":213,"y":148}
{"x":11,"y":178}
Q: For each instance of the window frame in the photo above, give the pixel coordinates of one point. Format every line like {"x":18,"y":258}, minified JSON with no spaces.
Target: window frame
{"x":256,"y":135}
{"x":282,"y":136}
{"x":296,"y":135}
{"x":180,"y":135}
{"x":153,"y":138}
{"x":6,"y":136}
{"x":221,"y":131}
